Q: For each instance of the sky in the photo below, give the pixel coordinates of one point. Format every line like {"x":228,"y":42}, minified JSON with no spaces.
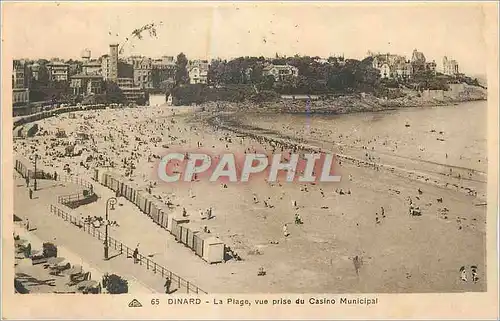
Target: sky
{"x":228,"y":30}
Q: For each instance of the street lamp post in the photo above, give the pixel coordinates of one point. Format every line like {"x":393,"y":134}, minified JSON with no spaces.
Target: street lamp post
{"x":111,"y":201}
{"x":34,"y":183}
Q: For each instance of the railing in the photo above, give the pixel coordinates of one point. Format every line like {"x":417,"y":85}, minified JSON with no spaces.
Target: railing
{"x":53,"y":112}
{"x":119,"y":246}
{"x":25,"y":171}
{"x":66,"y":199}
{"x":76,"y":180}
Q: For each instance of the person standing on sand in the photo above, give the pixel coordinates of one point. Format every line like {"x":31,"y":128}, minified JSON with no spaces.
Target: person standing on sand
{"x":475,"y":278}
{"x":135,"y":255}
{"x":357,"y":264}
{"x":298,"y":219}
{"x":105,"y":280}
{"x":463,"y":274}
{"x":167,"y":285}
{"x":28,"y":251}
{"x":285,"y":230}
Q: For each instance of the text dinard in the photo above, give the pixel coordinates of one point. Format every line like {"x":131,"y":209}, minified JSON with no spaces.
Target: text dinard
{"x":282,"y":301}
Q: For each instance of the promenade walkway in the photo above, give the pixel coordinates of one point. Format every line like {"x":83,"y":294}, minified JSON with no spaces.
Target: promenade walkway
{"x":49,"y":227}
{"x":26,"y":266}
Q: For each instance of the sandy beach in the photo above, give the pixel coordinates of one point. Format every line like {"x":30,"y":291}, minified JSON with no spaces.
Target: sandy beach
{"x":366,"y":215}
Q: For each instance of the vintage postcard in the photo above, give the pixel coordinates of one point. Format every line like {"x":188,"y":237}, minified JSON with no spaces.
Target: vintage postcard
{"x":244,"y":160}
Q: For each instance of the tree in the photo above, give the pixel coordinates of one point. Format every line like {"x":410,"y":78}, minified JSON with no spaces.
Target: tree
{"x":143,"y":101}
{"x":113,"y":93}
{"x":216,"y":72}
{"x":256,"y":74}
{"x":267,"y":82}
{"x":181,"y":73}
{"x":334,"y":61}
{"x":116,"y":284}
{"x":189,"y":94}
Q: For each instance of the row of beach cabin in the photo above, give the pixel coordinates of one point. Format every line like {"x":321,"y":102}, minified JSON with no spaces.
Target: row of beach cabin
{"x":210,"y":248}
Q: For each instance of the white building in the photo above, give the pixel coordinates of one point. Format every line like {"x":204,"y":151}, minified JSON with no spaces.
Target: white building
{"x":35,"y":71}
{"x":164,"y":62}
{"x":84,"y":84}
{"x":58,"y":71}
{"x":20,"y":96}
{"x":105,"y":66}
{"x":281,"y":72}
{"x":92,"y":68}
{"x":157,"y":99}
{"x":198,"y":72}
{"x":125,"y":82}
{"x":450,"y":67}
{"x":392,"y":66}
{"x":143,"y":72}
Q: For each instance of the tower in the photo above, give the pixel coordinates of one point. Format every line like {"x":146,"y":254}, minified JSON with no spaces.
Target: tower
{"x":113,"y":61}
{"x":86,"y":54}
{"x":445,"y":65}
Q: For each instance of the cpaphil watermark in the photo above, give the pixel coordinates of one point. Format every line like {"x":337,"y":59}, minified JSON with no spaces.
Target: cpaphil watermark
{"x":232,"y":168}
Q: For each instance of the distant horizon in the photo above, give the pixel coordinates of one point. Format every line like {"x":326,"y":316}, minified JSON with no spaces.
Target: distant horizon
{"x":232,"y":30}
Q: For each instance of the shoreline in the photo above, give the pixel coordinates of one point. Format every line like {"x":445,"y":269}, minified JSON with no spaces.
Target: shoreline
{"x":353,"y":103}
{"x":230,"y":121}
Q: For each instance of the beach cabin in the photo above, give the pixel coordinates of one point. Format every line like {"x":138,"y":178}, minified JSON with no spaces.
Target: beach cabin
{"x":175,"y":222}
{"x":162,"y":214}
{"x":191,"y":230}
{"x":209,"y":247}
{"x":143,"y":202}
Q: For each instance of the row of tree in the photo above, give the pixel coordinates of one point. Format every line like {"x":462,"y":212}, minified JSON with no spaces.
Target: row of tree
{"x":315,"y":76}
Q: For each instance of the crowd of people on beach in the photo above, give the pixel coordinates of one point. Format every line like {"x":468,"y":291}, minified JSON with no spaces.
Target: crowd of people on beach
{"x":130,"y":141}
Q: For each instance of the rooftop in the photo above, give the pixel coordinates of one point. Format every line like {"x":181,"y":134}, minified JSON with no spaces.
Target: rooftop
{"x":82,"y":75}
{"x":92,"y":63}
{"x":57,"y":63}
{"x":278,"y":67}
